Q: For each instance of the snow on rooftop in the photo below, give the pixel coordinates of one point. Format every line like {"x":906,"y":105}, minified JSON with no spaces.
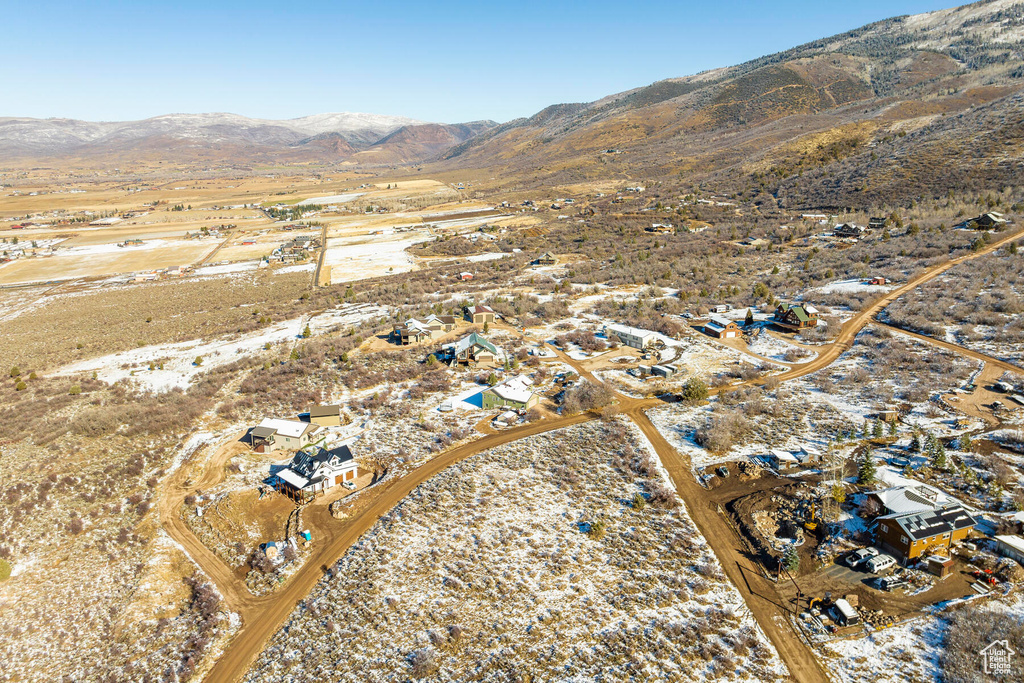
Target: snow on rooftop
{"x":290,"y":428}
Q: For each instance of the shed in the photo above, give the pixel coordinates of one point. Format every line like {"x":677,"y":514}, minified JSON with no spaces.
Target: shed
{"x":940,"y":566}
{"x":782,"y":460}
{"x":888,"y":415}
{"x":665,"y":371}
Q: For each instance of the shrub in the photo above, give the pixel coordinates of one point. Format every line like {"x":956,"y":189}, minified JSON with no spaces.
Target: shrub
{"x":20,"y":386}
{"x":586,"y":396}
{"x":694,"y":391}
{"x":5,"y":570}
{"x":15,"y":371}
{"x":597,"y":530}
{"x":75,"y":390}
{"x":423,"y":662}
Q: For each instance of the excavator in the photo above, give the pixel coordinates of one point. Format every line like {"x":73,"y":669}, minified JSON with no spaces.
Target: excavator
{"x":812,"y":518}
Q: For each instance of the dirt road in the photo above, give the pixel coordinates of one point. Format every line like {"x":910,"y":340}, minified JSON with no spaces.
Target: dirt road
{"x":955,"y":348}
{"x":262,"y":618}
{"x":828,"y":354}
{"x":758,"y":592}
{"x":234,"y":591}
{"x":318,"y":279}
{"x":271,"y":614}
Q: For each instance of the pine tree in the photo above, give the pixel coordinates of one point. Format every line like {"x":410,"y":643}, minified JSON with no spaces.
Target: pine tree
{"x":915,"y":443}
{"x":791,"y":560}
{"x":877,"y":432}
{"x":306,"y":332}
{"x":965,"y":443}
{"x":868,"y":470}
{"x":750,"y":318}
{"x":894,"y":429}
{"x":939,"y":457}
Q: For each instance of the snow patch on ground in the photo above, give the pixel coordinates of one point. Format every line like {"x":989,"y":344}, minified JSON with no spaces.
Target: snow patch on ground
{"x":142,"y":366}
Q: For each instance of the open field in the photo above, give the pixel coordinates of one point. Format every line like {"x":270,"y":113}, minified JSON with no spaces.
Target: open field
{"x":109,"y":259}
{"x":511,"y":526}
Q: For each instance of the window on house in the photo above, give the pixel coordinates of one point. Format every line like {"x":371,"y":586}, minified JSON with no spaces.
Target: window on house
{"x":885,"y":527}
{"x":903,"y":539}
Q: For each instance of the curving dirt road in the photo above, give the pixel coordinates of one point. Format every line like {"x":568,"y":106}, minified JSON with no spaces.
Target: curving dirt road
{"x":263,"y":617}
{"x":275,"y":610}
{"x":232,"y":589}
{"x":956,"y":348}
{"x":828,"y":354}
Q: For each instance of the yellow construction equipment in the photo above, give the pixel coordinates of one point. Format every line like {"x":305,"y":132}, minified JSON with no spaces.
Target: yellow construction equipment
{"x":812,"y":519}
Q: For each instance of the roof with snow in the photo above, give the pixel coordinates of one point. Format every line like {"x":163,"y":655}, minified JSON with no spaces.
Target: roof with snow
{"x":1010,"y":541}
{"x":627,"y":330}
{"x":784,"y":456}
{"x":908,"y":499}
{"x":289,"y":428}
{"x":718,"y":323}
{"x":513,"y":389}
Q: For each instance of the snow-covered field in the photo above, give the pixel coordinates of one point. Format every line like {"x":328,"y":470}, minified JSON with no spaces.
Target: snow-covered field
{"x":492,"y":256}
{"x":331,"y":199}
{"x":770,"y":346}
{"x":227,"y":268}
{"x":162,"y":367}
{"x":845,"y":286}
{"x":908,"y":652}
{"x":496,"y":569}
{"x":357,"y":258}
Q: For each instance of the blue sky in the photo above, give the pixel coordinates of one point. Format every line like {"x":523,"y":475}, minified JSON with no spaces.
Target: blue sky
{"x":437,"y":61}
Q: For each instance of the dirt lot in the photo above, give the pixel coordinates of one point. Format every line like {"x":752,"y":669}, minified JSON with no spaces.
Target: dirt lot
{"x":742,"y":500}
{"x":839,"y":580}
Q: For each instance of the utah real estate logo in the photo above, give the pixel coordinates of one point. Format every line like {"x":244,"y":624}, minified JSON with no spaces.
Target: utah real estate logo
{"x":998,"y":657}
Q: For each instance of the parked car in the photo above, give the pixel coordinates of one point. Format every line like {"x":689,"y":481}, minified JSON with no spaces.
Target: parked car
{"x":858,"y":557}
{"x":723,"y":471}
{"x":351,"y":485}
{"x":891,"y":583}
{"x":880,"y":563}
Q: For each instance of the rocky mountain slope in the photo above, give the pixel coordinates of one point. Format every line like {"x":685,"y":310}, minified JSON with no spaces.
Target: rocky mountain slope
{"x":321,"y":137}
{"x":899,"y":91}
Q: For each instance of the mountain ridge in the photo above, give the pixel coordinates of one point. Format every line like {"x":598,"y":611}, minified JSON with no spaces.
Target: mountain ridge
{"x":347,"y":132}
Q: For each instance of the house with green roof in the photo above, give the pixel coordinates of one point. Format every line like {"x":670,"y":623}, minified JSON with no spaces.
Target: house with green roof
{"x":796,"y":317}
{"x":472,"y":349}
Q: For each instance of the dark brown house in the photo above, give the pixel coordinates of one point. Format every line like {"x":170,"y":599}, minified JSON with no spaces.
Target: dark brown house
{"x":986,"y":221}
{"x":795,"y":316}
{"x":848,"y":230}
